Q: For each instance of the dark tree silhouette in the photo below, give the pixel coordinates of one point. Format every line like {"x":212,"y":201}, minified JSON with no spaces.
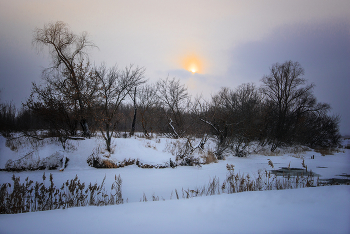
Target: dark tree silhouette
{"x":288,"y":99}
{"x":70,"y":73}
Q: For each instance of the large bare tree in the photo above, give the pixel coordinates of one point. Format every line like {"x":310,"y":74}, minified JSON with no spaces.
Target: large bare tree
{"x":70,"y":72}
{"x":288,"y":99}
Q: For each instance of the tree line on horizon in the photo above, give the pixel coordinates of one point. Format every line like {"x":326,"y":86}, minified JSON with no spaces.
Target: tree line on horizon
{"x":78,"y":99}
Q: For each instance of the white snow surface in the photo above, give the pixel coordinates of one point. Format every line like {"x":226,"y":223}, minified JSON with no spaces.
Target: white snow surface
{"x":310,"y":210}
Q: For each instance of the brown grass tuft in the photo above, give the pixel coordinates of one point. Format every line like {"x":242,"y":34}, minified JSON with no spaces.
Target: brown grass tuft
{"x":270,"y":163}
{"x":209,"y":157}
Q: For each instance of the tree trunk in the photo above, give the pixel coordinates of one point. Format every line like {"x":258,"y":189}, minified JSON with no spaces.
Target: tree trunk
{"x":108,"y":144}
{"x":134,"y":119}
{"x":143,"y":122}
{"x":133,"y":123}
{"x":85,"y":127}
{"x":108,"y":138}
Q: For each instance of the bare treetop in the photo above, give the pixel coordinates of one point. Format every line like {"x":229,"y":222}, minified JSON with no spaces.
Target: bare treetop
{"x":70,"y":73}
{"x":65,"y":46}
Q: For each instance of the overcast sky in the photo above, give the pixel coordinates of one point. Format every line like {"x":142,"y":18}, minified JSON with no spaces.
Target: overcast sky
{"x":231,"y":42}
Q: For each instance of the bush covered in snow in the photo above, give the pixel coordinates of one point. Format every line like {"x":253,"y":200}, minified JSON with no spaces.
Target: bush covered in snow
{"x":188,"y":151}
{"x":54,"y":161}
{"x":100,"y":160}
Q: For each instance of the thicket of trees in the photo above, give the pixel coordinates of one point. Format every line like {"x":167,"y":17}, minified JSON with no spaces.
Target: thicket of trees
{"x":78,"y":99}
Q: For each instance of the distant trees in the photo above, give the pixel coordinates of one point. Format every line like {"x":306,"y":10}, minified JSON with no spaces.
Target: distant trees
{"x":7,"y":119}
{"x":148,"y":104}
{"x":14,"y":120}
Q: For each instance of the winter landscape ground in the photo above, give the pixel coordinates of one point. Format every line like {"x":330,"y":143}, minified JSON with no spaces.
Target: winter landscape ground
{"x":323,"y":209}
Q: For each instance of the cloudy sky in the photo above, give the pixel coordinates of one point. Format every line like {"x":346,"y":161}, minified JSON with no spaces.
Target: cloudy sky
{"x":226,"y":42}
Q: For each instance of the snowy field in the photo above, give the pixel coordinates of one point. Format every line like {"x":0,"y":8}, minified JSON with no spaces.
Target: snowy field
{"x":308,"y":210}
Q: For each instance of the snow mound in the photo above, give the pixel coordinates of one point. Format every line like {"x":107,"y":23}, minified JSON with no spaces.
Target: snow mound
{"x":28,"y":162}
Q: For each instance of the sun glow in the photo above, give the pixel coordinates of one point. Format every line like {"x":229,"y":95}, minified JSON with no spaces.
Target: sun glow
{"x":192,"y":63}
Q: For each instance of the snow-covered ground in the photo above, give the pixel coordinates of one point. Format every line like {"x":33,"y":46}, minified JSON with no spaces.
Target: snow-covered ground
{"x":309,"y":210}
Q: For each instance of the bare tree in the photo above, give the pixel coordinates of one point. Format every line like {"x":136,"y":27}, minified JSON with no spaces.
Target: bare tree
{"x":114,"y":86}
{"x":288,"y":98}
{"x":57,"y":112}
{"x":69,"y":73}
{"x":233,"y":117}
{"x":174,"y":99}
{"x":148,"y":100}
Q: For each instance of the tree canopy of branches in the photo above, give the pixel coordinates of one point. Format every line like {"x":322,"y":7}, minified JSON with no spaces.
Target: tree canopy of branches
{"x":70,"y":74}
{"x":147,"y":100}
{"x":174,"y":99}
{"x":233,"y":116}
{"x":288,"y":102}
{"x":55,"y":110}
{"x":282,"y":111}
{"x":114,"y":86}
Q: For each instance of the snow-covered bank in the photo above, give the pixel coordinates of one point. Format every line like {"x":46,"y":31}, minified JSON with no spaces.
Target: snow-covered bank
{"x":311,"y":210}
{"x":163,"y":182}
{"x":308,"y":210}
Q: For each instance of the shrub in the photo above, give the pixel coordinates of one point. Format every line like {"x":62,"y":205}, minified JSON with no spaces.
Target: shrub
{"x":98,"y":162}
{"x":30,"y":197}
{"x":184,"y":152}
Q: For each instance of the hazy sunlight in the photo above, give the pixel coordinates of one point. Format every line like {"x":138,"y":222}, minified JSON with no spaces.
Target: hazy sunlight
{"x":193,"y":64}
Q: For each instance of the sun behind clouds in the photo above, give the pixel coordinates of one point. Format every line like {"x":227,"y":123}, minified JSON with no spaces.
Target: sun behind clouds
{"x":192,"y":63}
